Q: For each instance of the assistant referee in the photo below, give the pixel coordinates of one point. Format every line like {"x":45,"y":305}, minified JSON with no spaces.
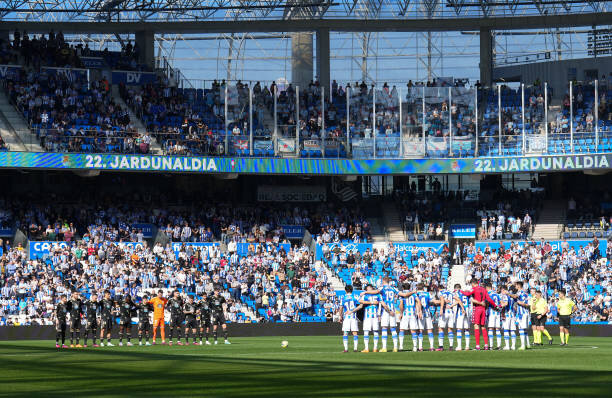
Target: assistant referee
{"x":565,"y":308}
{"x":542,"y":310}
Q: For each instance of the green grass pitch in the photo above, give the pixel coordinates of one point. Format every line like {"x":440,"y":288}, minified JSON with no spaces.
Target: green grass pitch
{"x":309,"y":367}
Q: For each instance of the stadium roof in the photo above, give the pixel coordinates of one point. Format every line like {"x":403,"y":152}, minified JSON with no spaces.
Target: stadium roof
{"x":245,"y":10}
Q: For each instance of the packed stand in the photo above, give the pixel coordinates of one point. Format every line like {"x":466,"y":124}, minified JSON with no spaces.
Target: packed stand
{"x":583,"y":273}
{"x":275,"y":284}
{"x":69,"y":116}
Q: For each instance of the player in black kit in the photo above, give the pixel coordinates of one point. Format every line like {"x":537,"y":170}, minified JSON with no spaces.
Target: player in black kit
{"x":61,"y":313}
{"x":91,"y":307}
{"x":204,"y":314}
{"x":107,"y":317}
{"x":217,"y":304}
{"x":126,"y":310}
{"x":144,"y":320}
{"x":175,"y":304}
{"x":190,"y":309}
{"x":75,"y":310}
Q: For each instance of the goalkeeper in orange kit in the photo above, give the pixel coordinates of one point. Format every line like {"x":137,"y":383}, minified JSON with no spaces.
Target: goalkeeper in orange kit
{"x":159,"y":305}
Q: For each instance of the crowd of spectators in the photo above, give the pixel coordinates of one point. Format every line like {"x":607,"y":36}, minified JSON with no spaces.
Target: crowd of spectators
{"x":583,"y":273}
{"x":70,"y":115}
{"x":268,"y":284}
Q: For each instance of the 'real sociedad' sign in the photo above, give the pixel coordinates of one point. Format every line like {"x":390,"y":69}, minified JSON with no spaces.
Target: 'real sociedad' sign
{"x":312,"y":166}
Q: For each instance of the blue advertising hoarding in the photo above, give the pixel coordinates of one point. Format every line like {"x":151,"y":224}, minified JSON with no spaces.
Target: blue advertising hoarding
{"x":39,"y":249}
{"x":6,"y":232}
{"x":72,"y":73}
{"x":462,"y":231}
{"x":147,"y":229}
{"x":243,"y":249}
{"x":9,"y":71}
{"x":93,"y":62}
{"x":176,"y":246}
{"x":293,"y":231}
{"x":133,"y":78}
{"x":316,"y":166}
{"x":405,"y":247}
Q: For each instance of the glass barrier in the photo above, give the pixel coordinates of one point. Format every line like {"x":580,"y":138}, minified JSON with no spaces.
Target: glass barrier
{"x":436,"y":121}
{"x":286,"y":111}
{"x":489,"y":102}
{"x":463,"y":121}
{"x":411,"y":126}
{"x":358,"y":121}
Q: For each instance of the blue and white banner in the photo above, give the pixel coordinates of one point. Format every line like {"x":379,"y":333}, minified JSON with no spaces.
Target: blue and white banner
{"x":556,"y":244}
{"x":349,"y":247}
{"x":6,"y":233}
{"x":422,"y":247}
{"x":244,"y":249}
{"x":9,"y":71}
{"x":93,"y":62}
{"x":293,"y":231}
{"x":72,"y":74}
{"x":133,"y":78}
{"x":462,"y":231}
{"x":147,"y":229}
{"x":176,"y":246}
{"x":41,"y":248}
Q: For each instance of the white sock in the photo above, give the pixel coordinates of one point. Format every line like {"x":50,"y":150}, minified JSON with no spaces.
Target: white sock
{"x":420,"y":341}
{"x":355,"y":342}
{"x":499,"y":337}
{"x":384,"y":339}
{"x":366,"y":340}
{"x":345,"y":342}
{"x":401,"y":339}
{"x":522,"y":334}
{"x":513,"y":334}
{"x":467,"y":339}
{"x":376,"y":338}
{"x":394,"y":338}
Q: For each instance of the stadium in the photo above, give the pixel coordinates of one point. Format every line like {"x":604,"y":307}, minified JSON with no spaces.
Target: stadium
{"x":265,"y":198}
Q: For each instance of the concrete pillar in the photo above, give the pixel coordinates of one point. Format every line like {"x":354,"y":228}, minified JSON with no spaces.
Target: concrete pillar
{"x":301,"y":58}
{"x":323,"y":69}
{"x":486,"y":57}
{"x":146,"y":44}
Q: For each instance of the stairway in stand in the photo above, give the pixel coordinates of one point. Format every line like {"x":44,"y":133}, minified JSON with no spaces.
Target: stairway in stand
{"x":393,"y":223}
{"x":551,"y":221}
{"x":16,"y":129}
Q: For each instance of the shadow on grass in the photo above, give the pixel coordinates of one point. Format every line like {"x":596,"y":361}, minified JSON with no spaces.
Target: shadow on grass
{"x":112,"y":373}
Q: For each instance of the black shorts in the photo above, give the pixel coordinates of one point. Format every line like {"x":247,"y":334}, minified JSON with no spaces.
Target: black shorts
{"x":191,"y":323}
{"x":107,"y":324}
{"x":565,"y":321}
{"x":534,"y":319}
{"x":145,"y":325}
{"x":60,"y":326}
{"x":92,"y":324}
{"x":218,"y":319}
{"x":204,"y":322}
{"x":176,"y":322}
{"x":126,"y":322}
{"x":75,"y":326}
{"x":541,"y":321}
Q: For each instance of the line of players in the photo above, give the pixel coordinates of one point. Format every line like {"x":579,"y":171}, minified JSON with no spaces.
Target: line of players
{"x":508,"y":309}
{"x":200,"y":317}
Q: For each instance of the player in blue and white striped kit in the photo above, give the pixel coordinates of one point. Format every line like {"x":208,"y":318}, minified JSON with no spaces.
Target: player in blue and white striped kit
{"x":410,"y":307}
{"x":462,"y":317}
{"x":425,"y":321}
{"x":446,"y":318}
{"x":508,"y":323}
{"x":371,"y":303}
{"x":388,"y":319}
{"x":494,"y":317}
{"x":348,"y":313}
{"x":522,"y":313}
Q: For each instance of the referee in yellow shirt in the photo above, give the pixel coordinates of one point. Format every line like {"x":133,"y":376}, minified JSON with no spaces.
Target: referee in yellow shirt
{"x":541,"y":309}
{"x":565,"y":308}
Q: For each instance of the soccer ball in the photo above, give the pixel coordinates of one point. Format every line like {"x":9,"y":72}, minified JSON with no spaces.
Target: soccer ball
{"x":284,"y":344}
